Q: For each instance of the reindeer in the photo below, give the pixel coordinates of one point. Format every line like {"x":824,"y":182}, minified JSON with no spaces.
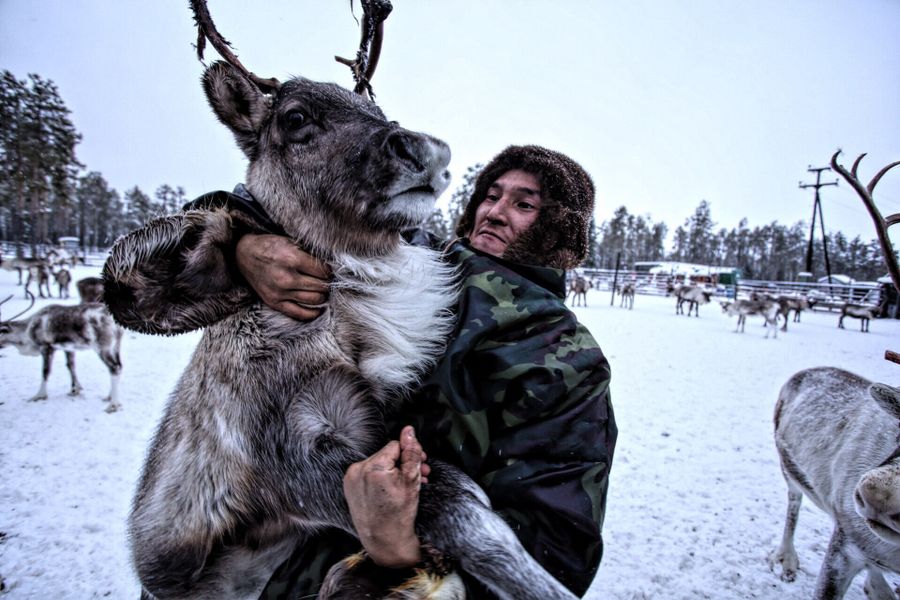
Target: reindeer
{"x":767,"y":309}
{"x":63,"y":278}
{"x":627,"y":293}
{"x":578,"y":289}
{"x":786,"y":304}
{"x":842,"y":451}
{"x":251,"y":451}
{"x":20,"y":265}
{"x":90,"y":289}
{"x":40,"y":273}
{"x":59,"y":257}
{"x":798,"y":305}
{"x":694,"y":295}
{"x":67,"y":328}
{"x":857,"y":311}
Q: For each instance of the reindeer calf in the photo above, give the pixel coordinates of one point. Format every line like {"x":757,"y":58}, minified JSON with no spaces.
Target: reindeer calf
{"x":63,"y":278}
{"x":694,"y":295}
{"x":578,"y":290}
{"x":68,"y":328}
{"x":857,"y":311}
{"x":627,"y":293}
{"x":842,"y":451}
{"x":767,"y":309}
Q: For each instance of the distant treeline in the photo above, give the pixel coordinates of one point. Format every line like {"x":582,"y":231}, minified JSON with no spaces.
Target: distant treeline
{"x":46,"y":193}
{"x":773,"y":251}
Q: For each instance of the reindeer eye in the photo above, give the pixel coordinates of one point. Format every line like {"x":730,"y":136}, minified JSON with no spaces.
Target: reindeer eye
{"x":294,"y":120}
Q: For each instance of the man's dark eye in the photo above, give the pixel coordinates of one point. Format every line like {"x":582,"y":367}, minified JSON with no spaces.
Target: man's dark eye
{"x":294,"y":120}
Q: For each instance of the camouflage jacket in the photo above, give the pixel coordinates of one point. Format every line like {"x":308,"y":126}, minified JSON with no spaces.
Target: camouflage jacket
{"x":520,"y":401}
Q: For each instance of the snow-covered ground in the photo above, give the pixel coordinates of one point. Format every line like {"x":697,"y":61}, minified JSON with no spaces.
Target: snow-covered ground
{"x":696,"y":498}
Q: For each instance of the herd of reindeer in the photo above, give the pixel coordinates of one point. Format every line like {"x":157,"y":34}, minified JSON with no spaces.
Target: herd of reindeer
{"x":192,"y":532}
{"x":87,"y":325}
{"x":768,"y":306}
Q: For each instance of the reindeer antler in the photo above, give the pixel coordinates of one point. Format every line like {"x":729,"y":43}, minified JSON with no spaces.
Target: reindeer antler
{"x":20,"y":313}
{"x":206,"y":30}
{"x":881,"y":223}
{"x":374,"y":14}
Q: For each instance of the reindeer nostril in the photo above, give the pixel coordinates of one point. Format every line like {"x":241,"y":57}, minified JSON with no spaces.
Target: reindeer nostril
{"x":400,"y":147}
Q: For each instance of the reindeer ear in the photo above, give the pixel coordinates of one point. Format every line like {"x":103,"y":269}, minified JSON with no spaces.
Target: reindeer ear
{"x":887,"y":397}
{"x":238,"y":103}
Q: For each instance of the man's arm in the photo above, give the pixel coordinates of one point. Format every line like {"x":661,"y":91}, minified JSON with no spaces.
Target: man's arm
{"x":285,"y":278}
{"x":189,"y":270}
{"x":382,"y":492}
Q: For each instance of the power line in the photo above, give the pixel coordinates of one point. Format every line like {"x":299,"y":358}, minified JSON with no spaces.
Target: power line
{"x":817,"y":206}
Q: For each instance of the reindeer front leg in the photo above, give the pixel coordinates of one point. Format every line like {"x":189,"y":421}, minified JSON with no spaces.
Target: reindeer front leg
{"x":786,"y":555}
{"x":70,"y":363}
{"x":108,"y":351}
{"x":839,"y":567}
{"x":47,"y":355}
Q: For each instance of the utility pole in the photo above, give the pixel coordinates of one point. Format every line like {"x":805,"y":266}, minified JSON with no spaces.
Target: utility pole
{"x":817,"y":207}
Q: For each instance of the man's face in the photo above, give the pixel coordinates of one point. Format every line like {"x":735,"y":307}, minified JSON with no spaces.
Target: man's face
{"x":512,"y":204}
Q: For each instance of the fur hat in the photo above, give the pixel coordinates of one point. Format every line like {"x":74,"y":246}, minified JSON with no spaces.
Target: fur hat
{"x":559,"y":236}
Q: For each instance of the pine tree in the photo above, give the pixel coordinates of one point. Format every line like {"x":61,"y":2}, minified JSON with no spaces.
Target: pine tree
{"x":37,"y":158}
{"x":139,"y":208}
{"x":460,"y":198}
{"x":169,"y":200}
{"x":97,"y":203}
{"x":700,"y":235}
{"x":592,"y":259}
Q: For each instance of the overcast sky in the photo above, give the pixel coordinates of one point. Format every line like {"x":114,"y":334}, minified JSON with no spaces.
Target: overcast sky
{"x":665,"y":102}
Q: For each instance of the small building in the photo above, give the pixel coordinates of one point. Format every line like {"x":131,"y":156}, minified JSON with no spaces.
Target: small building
{"x":69,"y":243}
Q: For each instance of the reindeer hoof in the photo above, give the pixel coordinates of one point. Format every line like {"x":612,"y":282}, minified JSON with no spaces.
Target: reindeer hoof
{"x":113,"y":408}
{"x":788,"y":564}
{"x":75,"y":392}
{"x":37,"y":398}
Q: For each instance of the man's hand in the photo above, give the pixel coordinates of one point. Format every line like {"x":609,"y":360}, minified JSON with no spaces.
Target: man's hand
{"x":285,"y":278}
{"x":382,"y":492}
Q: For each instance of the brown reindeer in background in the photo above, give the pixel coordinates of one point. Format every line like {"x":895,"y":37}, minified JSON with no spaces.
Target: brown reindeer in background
{"x":67,"y":328}
{"x":251,"y":452}
{"x":578,"y":289}
{"x":627,"y":292}
{"x":63,"y":279}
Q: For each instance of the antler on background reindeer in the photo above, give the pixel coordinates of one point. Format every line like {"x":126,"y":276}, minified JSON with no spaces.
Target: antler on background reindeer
{"x":374,"y":14}
{"x":20,"y":313}
{"x":881,"y":223}
{"x":363,"y":67}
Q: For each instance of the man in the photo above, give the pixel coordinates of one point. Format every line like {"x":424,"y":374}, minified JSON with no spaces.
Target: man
{"x":519,"y":400}
{"x":493,"y":406}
